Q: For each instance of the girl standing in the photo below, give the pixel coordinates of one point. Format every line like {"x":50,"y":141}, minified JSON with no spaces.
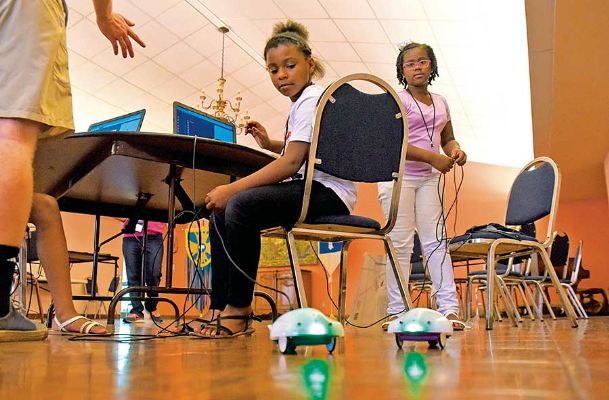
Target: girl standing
{"x":429,"y":129}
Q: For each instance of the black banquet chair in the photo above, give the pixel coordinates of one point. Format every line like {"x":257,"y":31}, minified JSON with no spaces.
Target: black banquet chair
{"x":533,"y":196}
{"x":361,"y":137}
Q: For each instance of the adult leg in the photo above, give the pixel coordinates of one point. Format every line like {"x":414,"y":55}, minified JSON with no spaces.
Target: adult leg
{"x":17,"y":146}
{"x":431,"y":228}
{"x":132,"y":253}
{"x":402,"y":236}
{"x":53,"y":253}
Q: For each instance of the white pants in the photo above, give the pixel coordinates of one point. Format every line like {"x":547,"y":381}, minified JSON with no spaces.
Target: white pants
{"x":420,"y":207}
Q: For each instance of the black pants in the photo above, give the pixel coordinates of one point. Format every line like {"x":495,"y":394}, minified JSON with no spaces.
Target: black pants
{"x":246,"y":214}
{"x":133,"y":253}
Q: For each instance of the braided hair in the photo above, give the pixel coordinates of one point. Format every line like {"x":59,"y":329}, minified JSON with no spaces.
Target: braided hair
{"x":400,"y":61}
{"x":294,"y":33}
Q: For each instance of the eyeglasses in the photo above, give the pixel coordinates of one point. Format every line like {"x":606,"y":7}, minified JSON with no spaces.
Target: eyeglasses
{"x":422,"y":63}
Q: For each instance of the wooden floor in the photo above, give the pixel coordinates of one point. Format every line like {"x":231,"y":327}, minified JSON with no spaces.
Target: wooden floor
{"x":534,"y":361}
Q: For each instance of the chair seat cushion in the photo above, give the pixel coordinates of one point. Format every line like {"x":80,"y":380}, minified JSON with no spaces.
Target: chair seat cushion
{"x":543,"y":278}
{"x":497,"y":271}
{"x":348,"y":220}
{"x":486,"y":235}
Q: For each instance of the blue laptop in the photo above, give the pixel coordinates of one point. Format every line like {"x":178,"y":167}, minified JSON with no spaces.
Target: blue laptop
{"x":131,"y":122}
{"x":192,"y":122}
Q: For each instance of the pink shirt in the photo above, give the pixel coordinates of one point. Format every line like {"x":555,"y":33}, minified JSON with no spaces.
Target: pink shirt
{"x":154,"y":228}
{"x":417,"y":134}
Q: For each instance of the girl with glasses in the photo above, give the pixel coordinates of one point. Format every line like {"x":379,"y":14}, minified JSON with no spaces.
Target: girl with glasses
{"x":430,"y":129}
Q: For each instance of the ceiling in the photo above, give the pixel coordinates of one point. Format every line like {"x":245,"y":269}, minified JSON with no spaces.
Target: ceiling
{"x":485,"y":77}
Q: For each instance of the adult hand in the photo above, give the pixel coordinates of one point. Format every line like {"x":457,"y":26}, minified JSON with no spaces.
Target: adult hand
{"x":217,"y":198}
{"x":442,"y":163}
{"x":118,"y":31}
{"x":259,"y":133}
{"x":459,"y":156}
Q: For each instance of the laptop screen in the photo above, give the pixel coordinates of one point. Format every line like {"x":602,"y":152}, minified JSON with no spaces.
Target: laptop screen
{"x":191,"y":122}
{"x":125,"y":123}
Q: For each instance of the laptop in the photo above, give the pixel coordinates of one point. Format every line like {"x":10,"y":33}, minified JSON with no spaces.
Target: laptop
{"x":131,"y":122}
{"x":192,"y":122}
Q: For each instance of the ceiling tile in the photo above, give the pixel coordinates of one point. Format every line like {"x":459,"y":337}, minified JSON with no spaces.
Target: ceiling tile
{"x":129,"y":11}
{"x":179,"y":58}
{"x":148,"y":76}
{"x":385,"y":71}
{"x":343,"y":68}
{"x":362,"y":30}
{"x":90,"y":77}
{"x":123,"y":94}
{"x":416,"y":31}
{"x":201,"y":74}
{"x":117,"y":64}
{"x":337,"y":51}
{"x":299,"y":9}
{"x":82,"y":7}
{"x":281,"y":104}
{"x":74,"y":17}
{"x":85,"y":39}
{"x":89,"y":109}
{"x":263,"y":112}
{"x":156,"y":37}
{"x":174,"y":89}
{"x":156,"y":7}
{"x":207,"y":40}
{"x":245,"y":9}
{"x":403,"y":9}
{"x":251,"y":74}
{"x":375,"y":52}
{"x":234,"y":58}
{"x":348,"y":9}
{"x":265,"y":90}
{"x":182,"y":19}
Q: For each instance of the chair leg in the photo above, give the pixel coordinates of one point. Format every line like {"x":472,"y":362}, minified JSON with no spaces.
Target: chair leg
{"x":576,"y":304}
{"x":536,"y":306}
{"x":570,"y":312}
{"x":401,"y":280}
{"x":507,"y":301}
{"x":36,"y":287}
{"x":545,"y":300}
{"x":301,"y":297}
{"x":468,"y":299}
{"x":342,"y":290}
{"x":525,"y":301}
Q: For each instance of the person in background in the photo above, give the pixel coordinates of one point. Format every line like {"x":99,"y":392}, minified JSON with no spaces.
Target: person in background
{"x":133,"y":254}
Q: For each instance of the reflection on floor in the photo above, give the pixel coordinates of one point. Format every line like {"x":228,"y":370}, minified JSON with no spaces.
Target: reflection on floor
{"x":536,"y":360}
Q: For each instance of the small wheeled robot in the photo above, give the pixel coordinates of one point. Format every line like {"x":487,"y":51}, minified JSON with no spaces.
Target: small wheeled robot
{"x":305,"y":327}
{"x":421,"y":325}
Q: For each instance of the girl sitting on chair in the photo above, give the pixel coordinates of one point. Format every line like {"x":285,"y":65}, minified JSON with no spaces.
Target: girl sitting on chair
{"x":273,"y":195}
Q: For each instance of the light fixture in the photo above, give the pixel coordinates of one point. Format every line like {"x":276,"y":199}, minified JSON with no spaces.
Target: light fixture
{"x":222,"y":108}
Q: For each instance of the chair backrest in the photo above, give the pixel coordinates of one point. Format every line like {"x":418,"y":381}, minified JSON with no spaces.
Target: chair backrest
{"x":559,"y":252}
{"x":534,"y":195}
{"x":359,"y":137}
{"x":577,"y":262}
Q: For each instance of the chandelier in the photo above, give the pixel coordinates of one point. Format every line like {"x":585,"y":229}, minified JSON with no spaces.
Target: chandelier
{"x":222,"y":108}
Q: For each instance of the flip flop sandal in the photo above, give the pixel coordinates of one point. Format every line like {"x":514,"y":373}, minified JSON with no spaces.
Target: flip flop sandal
{"x":85,"y":329}
{"x":222,"y":332}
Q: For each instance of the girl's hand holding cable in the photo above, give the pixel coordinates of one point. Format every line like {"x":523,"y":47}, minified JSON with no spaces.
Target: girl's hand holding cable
{"x":459,"y":156}
{"x":441,"y":162}
{"x":217,"y":198}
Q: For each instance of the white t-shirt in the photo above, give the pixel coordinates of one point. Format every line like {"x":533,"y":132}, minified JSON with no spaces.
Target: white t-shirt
{"x":300,"y":129}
